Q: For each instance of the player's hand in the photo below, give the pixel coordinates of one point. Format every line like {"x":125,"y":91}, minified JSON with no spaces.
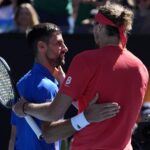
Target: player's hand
{"x":100,"y":112}
{"x":18,"y":108}
{"x":59,"y":74}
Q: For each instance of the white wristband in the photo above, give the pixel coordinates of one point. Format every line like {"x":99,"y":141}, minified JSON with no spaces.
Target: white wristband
{"x":79,"y":122}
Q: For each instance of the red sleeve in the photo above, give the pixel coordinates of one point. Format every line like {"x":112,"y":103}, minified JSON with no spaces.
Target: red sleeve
{"x":76,"y":79}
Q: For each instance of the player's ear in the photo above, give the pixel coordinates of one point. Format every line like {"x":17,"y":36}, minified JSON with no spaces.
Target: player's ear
{"x":41,"y":46}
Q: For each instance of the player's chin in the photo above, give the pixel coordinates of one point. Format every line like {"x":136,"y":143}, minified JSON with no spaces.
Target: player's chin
{"x":60,"y":63}
{"x":62,"y":60}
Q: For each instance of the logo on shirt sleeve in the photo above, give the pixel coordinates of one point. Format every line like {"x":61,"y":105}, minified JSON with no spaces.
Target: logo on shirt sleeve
{"x":68,"y":81}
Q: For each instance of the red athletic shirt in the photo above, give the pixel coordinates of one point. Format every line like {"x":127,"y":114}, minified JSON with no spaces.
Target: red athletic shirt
{"x":117,"y":75}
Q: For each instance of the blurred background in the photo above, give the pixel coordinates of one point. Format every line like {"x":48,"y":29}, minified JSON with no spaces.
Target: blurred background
{"x":75,"y":18}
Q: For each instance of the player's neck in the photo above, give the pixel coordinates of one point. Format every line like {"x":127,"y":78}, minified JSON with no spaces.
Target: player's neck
{"x":46,"y":64}
{"x":110,"y":42}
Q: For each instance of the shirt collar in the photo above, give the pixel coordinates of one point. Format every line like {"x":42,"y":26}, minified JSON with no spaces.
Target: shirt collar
{"x":44,"y":71}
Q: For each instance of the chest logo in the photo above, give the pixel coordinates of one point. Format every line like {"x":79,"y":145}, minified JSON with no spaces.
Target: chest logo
{"x":68,"y":80}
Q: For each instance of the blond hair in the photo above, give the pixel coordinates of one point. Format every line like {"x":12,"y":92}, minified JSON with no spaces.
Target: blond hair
{"x":120,"y":15}
{"x":32,"y":11}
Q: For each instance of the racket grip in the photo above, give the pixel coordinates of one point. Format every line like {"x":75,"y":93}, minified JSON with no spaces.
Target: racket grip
{"x":34,"y":127}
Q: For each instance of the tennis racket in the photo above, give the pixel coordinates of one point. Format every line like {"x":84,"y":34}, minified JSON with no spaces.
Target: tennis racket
{"x":8,"y":94}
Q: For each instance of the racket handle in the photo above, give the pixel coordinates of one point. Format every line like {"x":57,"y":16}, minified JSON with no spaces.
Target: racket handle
{"x":34,"y":127}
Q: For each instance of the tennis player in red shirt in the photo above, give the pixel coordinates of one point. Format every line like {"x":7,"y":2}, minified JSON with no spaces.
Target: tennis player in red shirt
{"x":112,"y":71}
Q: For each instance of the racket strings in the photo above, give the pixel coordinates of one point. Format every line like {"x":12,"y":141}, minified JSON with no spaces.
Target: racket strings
{"x":6,"y":89}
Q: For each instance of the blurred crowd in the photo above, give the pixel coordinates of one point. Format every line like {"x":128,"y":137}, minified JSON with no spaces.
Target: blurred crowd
{"x":76,"y":16}
{"x":73,"y":16}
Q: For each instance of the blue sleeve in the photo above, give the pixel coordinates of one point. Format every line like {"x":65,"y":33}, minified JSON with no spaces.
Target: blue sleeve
{"x":46,"y":90}
{"x":20,"y":89}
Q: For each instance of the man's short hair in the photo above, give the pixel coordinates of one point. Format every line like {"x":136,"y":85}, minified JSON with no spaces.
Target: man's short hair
{"x":40,"y":32}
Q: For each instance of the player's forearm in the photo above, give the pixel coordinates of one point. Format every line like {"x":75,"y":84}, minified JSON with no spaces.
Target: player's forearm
{"x":41,"y":111}
{"x":11,"y":145}
{"x":50,"y":111}
{"x":58,"y":130}
{"x":12,"y":138}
